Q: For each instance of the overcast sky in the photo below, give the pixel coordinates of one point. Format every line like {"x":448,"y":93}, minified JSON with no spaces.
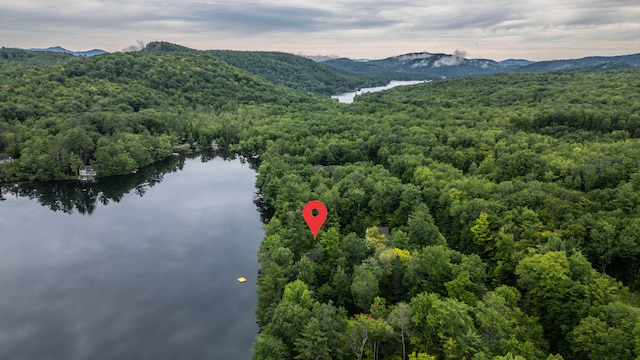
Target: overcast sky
{"x":496,"y":29}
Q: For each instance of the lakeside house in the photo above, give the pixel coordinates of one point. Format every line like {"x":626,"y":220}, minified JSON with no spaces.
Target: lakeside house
{"x":5,"y":159}
{"x":86,"y":173}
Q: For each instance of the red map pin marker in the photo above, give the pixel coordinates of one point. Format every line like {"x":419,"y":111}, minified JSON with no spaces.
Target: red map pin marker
{"x":314,"y":222}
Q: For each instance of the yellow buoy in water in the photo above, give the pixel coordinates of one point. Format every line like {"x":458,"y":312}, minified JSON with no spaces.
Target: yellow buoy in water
{"x":241,"y":280}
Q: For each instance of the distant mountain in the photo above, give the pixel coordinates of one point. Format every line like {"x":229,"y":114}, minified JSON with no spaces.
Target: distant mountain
{"x":440,"y":65}
{"x":602,"y":67}
{"x":421,"y":66}
{"x":58,"y":49}
{"x":516,"y":62}
{"x":591,"y":62}
{"x":319,"y":58}
{"x":367,"y":68}
{"x":284,"y":69}
{"x":166,"y":48}
{"x":424,"y":66}
{"x":26,"y":58}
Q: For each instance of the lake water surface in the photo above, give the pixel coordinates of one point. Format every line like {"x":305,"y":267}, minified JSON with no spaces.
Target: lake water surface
{"x":137,"y":267}
{"x":348,"y":97}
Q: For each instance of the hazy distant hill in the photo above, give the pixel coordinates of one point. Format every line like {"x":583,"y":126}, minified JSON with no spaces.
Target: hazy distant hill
{"x":440,"y":65}
{"x":601,"y":67}
{"x":422,"y":66}
{"x":574,"y":64}
{"x":284,"y":69}
{"x":58,"y":49}
{"x":368,"y":68}
{"x":26,"y":58}
{"x":516,"y":62}
{"x":419,"y":66}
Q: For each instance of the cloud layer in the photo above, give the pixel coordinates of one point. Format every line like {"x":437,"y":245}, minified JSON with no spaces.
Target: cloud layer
{"x":536,"y":29}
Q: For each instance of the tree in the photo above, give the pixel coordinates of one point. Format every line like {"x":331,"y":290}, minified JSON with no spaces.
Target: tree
{"x":462,"y":288}
{"x":304,"y":270}
{"x":481,"y":231}
{"x":330,"y":241}
{"x":113,"y":159}
{"x":292,"y":314}
{"x":298,"y":293}
{"x":79,"y":142}
{"x":357,"y":335}
{"x":380,"y":331}
{"x":269,"y":347}
{"x":505,"y":328}
{"x":364,"y":286}
{"x":541,"y":274}
{"x":341,"y":285}
{"x":608,"y":334}
{"x":313,"y":342}
{"x":422,"y":228}
{"x":400,"y":319}
{"x":429,"y":270}
{"x":379,"y":308}
{"x":555,"y":292}
{"x":421,"y":356}
{"x":443,"y":326}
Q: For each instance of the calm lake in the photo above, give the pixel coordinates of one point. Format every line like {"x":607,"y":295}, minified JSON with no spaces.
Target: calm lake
{"x":349,"y":96}
{"x":135,"y":267}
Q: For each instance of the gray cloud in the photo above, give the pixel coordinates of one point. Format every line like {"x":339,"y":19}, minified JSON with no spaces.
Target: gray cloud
{"x":372,"y":28}
{"x":259,"y":17}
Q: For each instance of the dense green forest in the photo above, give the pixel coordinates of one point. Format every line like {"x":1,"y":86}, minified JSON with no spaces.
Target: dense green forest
{"x":284,"y":69}
{"x":512,"y":200}
{"x":513,"y":208}
{"x":120,"y":112}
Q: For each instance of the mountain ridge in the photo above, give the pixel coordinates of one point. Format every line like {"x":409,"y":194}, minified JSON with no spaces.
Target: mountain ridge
{"x":280,"y":68}
{"x":434,"y":66}
{"x":60,"y":49}
{"x":289,"y":69}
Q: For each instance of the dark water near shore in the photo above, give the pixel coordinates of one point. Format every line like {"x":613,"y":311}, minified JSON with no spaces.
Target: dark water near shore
{"x":136,"y":267}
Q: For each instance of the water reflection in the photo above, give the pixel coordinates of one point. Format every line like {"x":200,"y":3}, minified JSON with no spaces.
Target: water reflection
{"x":72,"y":196}
{"x":151,"y":276}
{"x":349,"y":97}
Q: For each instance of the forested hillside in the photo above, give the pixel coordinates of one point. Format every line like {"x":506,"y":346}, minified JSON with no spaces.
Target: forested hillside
{"x":119,"y":112}
{"x":511,"y":200}
{"x":590,"y":62}
{"x":284,"y":69}
{"x":24,"y":58}
{"x":513,"y":208}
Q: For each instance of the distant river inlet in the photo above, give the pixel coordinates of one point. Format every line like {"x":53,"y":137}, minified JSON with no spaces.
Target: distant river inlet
{"x":349,"y":96}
